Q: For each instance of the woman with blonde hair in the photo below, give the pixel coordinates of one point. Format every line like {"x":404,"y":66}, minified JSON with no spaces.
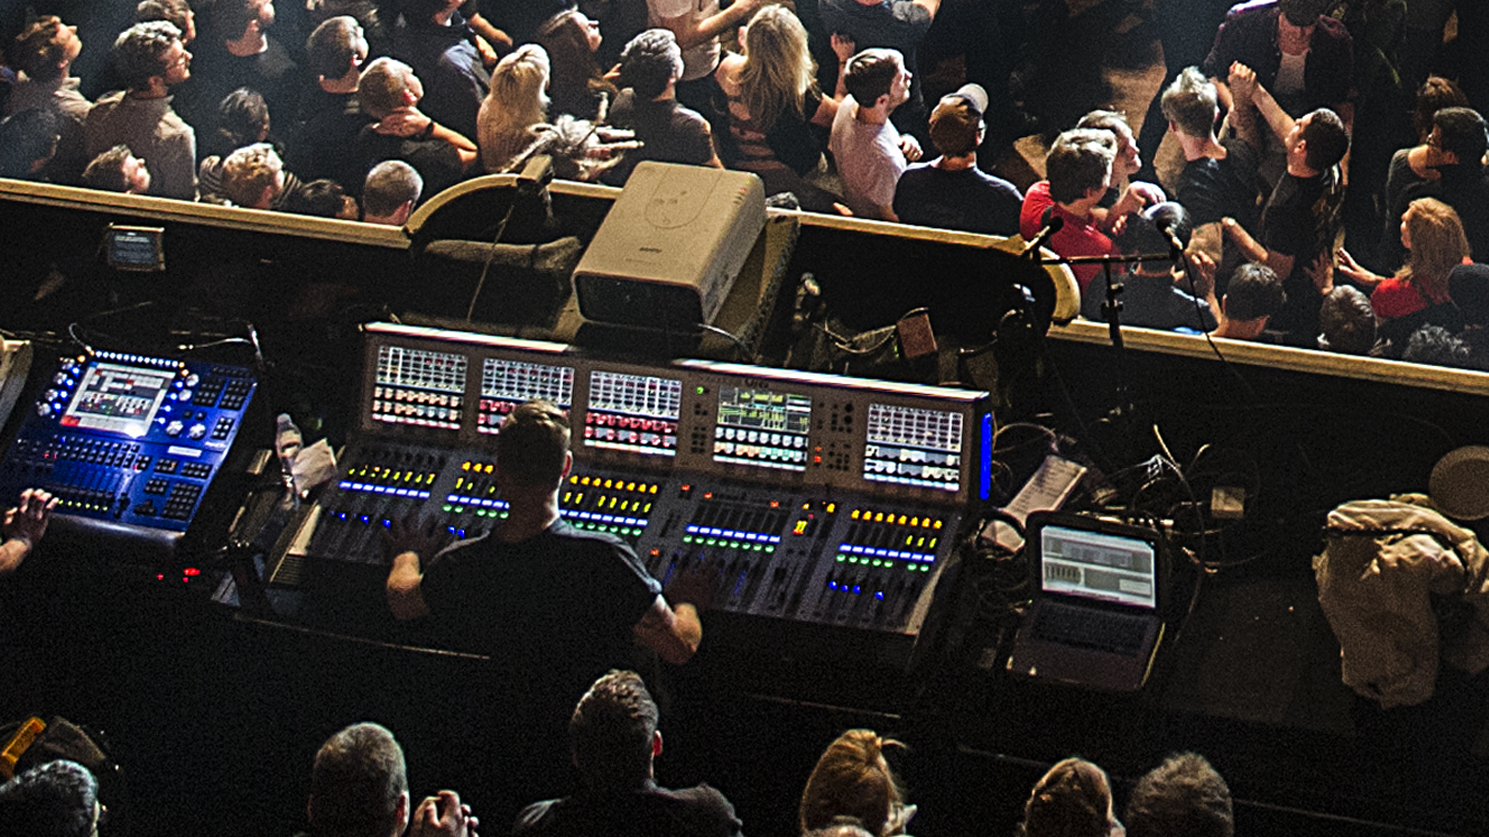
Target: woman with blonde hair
{"x":1417,"y":295}
{"x":853,"y":783}
{"x":773,"y":101}
{"x":578,"y":86}
{"x":1073,"y":799}
{"x":515,"y":107}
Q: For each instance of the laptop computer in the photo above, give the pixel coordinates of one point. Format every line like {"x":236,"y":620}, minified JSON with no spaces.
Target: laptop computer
{"x":1097,"y":619}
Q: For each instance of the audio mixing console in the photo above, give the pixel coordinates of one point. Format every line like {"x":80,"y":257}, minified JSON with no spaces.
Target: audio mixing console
{"x":816,"y":498}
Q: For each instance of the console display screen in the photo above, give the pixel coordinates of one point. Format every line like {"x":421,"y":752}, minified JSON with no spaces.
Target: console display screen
{"x":636,"y":413}
{"x":417,"y":387}
{"x":117,"y":399}
{"x":507,"y":383}
{"x":915,"y":447}
{"x":762,"y":428}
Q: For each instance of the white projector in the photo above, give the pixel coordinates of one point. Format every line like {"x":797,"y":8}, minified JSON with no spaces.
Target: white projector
{"x":671,"y":247}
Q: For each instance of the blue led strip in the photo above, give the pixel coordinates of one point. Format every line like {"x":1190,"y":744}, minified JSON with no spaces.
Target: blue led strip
{"x":732,"y":534}
{"x":876,"y":552}
{"x":368,"y":488}
{"x":477,"y":502}
{"x":597,"y":517}
{"x":985,"y":460}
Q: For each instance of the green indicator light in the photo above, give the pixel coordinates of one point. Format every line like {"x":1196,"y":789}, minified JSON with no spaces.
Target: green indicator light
{"x":770,"y":549}
{"x":700,"y":390}
{"x":878,"y":563}
{"x":840,"y":558}
{"x":712,"y":541}
{"x":446,"y":507}
{"x":687,"y":538}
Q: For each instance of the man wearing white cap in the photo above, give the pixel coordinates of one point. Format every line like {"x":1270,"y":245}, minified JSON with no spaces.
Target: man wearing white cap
{"x":950,"y":191}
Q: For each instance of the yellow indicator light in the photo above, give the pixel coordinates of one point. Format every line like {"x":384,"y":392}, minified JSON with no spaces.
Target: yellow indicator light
{"x":832,"y":508}
{"x":936,"y":525}
{"x":801,"y":527}
{"x":854,"y":515}
{"x":902,"y":519}
{"x":465,"y":466}
{"x":573,"y":479}
{"x":630,"y":486}
{"x":879,"y":517}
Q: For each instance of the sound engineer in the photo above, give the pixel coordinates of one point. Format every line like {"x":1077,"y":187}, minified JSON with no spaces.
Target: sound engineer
{"x":23,"y":527}
{"x":554,"y":607}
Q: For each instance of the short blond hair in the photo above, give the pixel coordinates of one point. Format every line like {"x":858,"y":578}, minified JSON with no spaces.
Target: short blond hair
{"x":247,"y":172}
{"x":381,"y":86}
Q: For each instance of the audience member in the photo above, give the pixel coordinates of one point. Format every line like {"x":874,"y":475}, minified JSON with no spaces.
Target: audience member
{"x":852,"y":780}
{"x":23,"y":527}
{"x":391,"y":192}
{"x":390,"y":93}
{"x":898,"y":25}
{"x":870,"y":153}
{"x":578,"y":87}
{"x":55,"y":799}
{"x":117,"y":170}
{"x":1436,"y":346}
{"x":44,"y":53}
{"x":951,"y":191}
{"x":253,"y":177}
{"x":1253,"y":296}
{"x":242,"y":119}
{"x":434,"y":39}
{"x":28,"y":143}
{"x":359,"y":788}
{"x":1183,"y":797}
{"x":1301,"y":219}
{"x":178,"y":12}
{"x":1124,"y":196}
{"x":238,"y":51}
{"x":1072,"y":799}
{"x":1347,"y":322}
{"x":773,"y":104}
{"x":322,"y":198}
{"x":1418,"y":294}
{"x":1419,"y":162}
{"x":668,"y":132}
{"x":510,"y":594}
{"x":1304,"y":57}
{"x":520,"y":19}
{"x":1078,"y":169}
{"x":615,"y":743}
{"x":359,"y":785}
{"x":514,"y":108}
{"x":698,"y":25}
{"x":365,"y":12}
{"x":1219,"y":178}
{"x":323,"y":139}
{"x":150,"y":59}
{"x":1155,"y":295}
{"x":1459,"y":138}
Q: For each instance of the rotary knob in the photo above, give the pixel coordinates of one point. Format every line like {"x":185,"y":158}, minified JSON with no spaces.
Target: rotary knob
{"x":43,"y":409}
{"x":197,"y":431}
{"x":174,"y":428}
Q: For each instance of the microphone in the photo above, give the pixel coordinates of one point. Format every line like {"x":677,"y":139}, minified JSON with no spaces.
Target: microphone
{"x":1165,"y":222}
{"x":1051,"y":224}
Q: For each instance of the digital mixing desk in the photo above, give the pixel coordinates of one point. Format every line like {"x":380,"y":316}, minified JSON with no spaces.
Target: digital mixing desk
{"x":130,"y":445}
{"x":818,"y":498}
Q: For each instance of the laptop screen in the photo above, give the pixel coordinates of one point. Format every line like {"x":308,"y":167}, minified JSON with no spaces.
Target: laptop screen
{"x":1099,"y":566}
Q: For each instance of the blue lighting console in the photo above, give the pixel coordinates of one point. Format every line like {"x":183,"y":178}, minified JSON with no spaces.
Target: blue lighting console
{"x":130,"y":444}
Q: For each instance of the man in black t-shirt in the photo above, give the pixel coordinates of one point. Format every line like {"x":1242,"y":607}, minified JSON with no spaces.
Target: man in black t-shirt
{"x":1219,"y":178}
{"x":390,"y":93}
{"x":669,"y":133}
{"x":553,"y":606}
{"x":1301,"y":219}
{"x":615,"y":742}
{"x":951,"y":191}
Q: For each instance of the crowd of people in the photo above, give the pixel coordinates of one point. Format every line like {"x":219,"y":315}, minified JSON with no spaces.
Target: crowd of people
{"x":380,"y":104}
{"x":359,"y":787}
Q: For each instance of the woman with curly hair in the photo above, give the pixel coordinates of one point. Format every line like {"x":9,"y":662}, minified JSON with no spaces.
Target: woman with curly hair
{"x":1073,"y":799}
{"x":578,"y":86}
{"x":514,"y":107}
{"x":1417,"y":295}
{"x":853,"y":783}
{"x":773,"y":102}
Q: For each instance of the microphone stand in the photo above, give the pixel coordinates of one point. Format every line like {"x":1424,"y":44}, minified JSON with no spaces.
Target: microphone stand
{"x":1111,"y":309}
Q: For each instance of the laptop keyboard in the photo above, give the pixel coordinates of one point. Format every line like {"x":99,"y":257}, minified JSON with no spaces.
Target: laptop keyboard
{"x":1086,"y":628}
